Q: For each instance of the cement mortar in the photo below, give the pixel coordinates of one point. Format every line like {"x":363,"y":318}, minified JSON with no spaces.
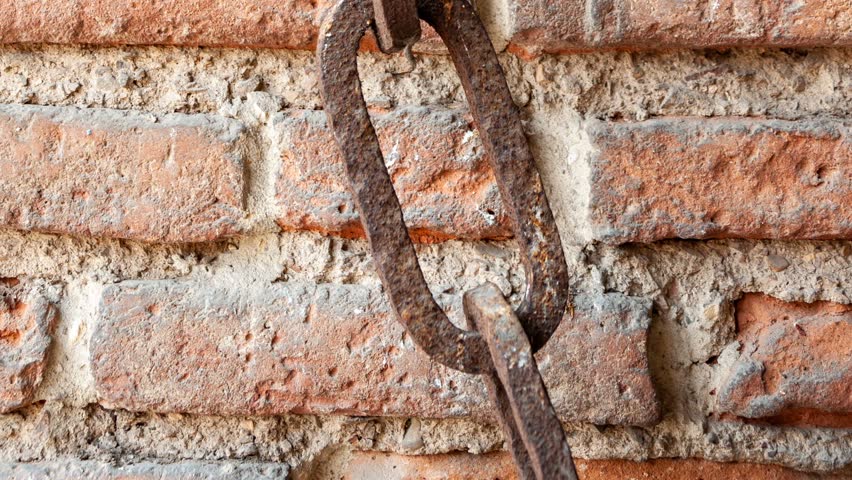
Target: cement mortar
{"x":79,"y":470}
{"x":785,"y":84}
{"x":52,"y":431}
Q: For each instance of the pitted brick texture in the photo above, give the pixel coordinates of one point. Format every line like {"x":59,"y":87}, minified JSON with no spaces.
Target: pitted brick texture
{"x":27,"y":321}
{"x":292,"y":24}
{"x":439,"y":169}
{"x":576,"y":25}
{"x":534,"y":26}
{"x":287,"y":23}
{"x":669,"y":178}
{"x":460,"y":466}
{"x":187,"y":347}
{"x":372,"y":465}
{"x":795,"y":362}
{"x":108,"y":173}
{"x":721,"y":178}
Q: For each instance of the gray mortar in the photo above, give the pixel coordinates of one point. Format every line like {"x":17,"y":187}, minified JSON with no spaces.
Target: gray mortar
{"x":89,"y":470}
{"x":692,"y":284}
{"x":785,"y":84}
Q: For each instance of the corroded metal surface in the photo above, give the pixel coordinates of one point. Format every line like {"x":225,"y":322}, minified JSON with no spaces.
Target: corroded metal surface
{"x":396,"y":24}
{"x":502,"y":348}
{"x":393,"y":253}
{"x":499,"y":124}
{"x":533,"y":431}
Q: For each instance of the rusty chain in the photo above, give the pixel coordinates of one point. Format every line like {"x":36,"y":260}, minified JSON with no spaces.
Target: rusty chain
{"x":533,"y":432}
{"x":397,"y":25}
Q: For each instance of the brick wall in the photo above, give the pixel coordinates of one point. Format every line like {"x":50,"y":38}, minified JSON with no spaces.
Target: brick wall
{"x":185,"y":291}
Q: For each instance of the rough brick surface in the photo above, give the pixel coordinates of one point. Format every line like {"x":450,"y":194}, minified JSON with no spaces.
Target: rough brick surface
{"x":572,"y":25}
{"x":86,"y":470}
{"x":27,"y":320}
{"x":186,"y":347}
{"x":372,"y":465}
{"x":721,"y":178}
{"x":288,"y":23}
{"x":793,"y":357}
{"x":459,"y":466}
{"x":737,"y":178}
{"x":176,"y":178}
{"x":435,"y":159}
{"x":260,"y":24}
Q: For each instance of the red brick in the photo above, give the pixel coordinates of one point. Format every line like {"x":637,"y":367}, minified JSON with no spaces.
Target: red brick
{"x":456,"y":466}
{"x":690,"y":469}
{"x":793,"y":357}
{"x":438,"y":166}
{"x":498,"y":466}
{"x":737,"y":178}
{"x":107,"y":173}
{"x":578,"y":25}
{"x":186,"y":347}
{"x":287,"y":23}
{"x":27,"y":321}
{"x":290,"y":24}
{"x":721,"y":178}
{"x":187,"y":470}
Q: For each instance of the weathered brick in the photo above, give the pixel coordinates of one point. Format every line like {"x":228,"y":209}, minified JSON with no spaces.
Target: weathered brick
{"x":292,"y":24}
{"x":288,"y":23}
{"x":690,"y":468}
{"x":738,"y":178}
{"x":176,"y":178}
{"x":439,"y":169}
{"x":181,"y":346}
{"x":721,"y":178}
{"x":27,"y":320}
{"x":499,"y":466}
{"x":578,"y":25}
{"x":189,"y":470}
{"x":456,"y":466}
{"x":795,"y":360}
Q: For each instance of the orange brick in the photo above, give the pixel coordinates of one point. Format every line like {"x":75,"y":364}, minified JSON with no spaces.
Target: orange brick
{"x":499,"y":466}
{"x":292,"y":24}
{"x":27,"y":321}
{"x":795,"y":362}
{"x":577,"y":25}
{"x":457,"y":466}
{"x":172,"y":346}
{"x":721,"y":178}
{"x":287,"y":23}
{"x":732,"y":175}
{"x":108,"y":173}
{"x":437,"y":164}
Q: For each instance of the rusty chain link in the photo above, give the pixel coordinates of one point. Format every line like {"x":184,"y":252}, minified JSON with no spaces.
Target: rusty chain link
{"x":506,"y":146}
{"x":396,"y":24}
{"x":533,"y":431}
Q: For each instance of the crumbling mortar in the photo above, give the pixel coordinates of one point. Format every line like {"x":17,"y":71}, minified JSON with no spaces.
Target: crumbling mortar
{"x":780,"y":83}
{"x":50,"y":431}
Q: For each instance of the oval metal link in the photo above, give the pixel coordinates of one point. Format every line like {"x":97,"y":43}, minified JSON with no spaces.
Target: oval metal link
{"x":498,"y":121}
